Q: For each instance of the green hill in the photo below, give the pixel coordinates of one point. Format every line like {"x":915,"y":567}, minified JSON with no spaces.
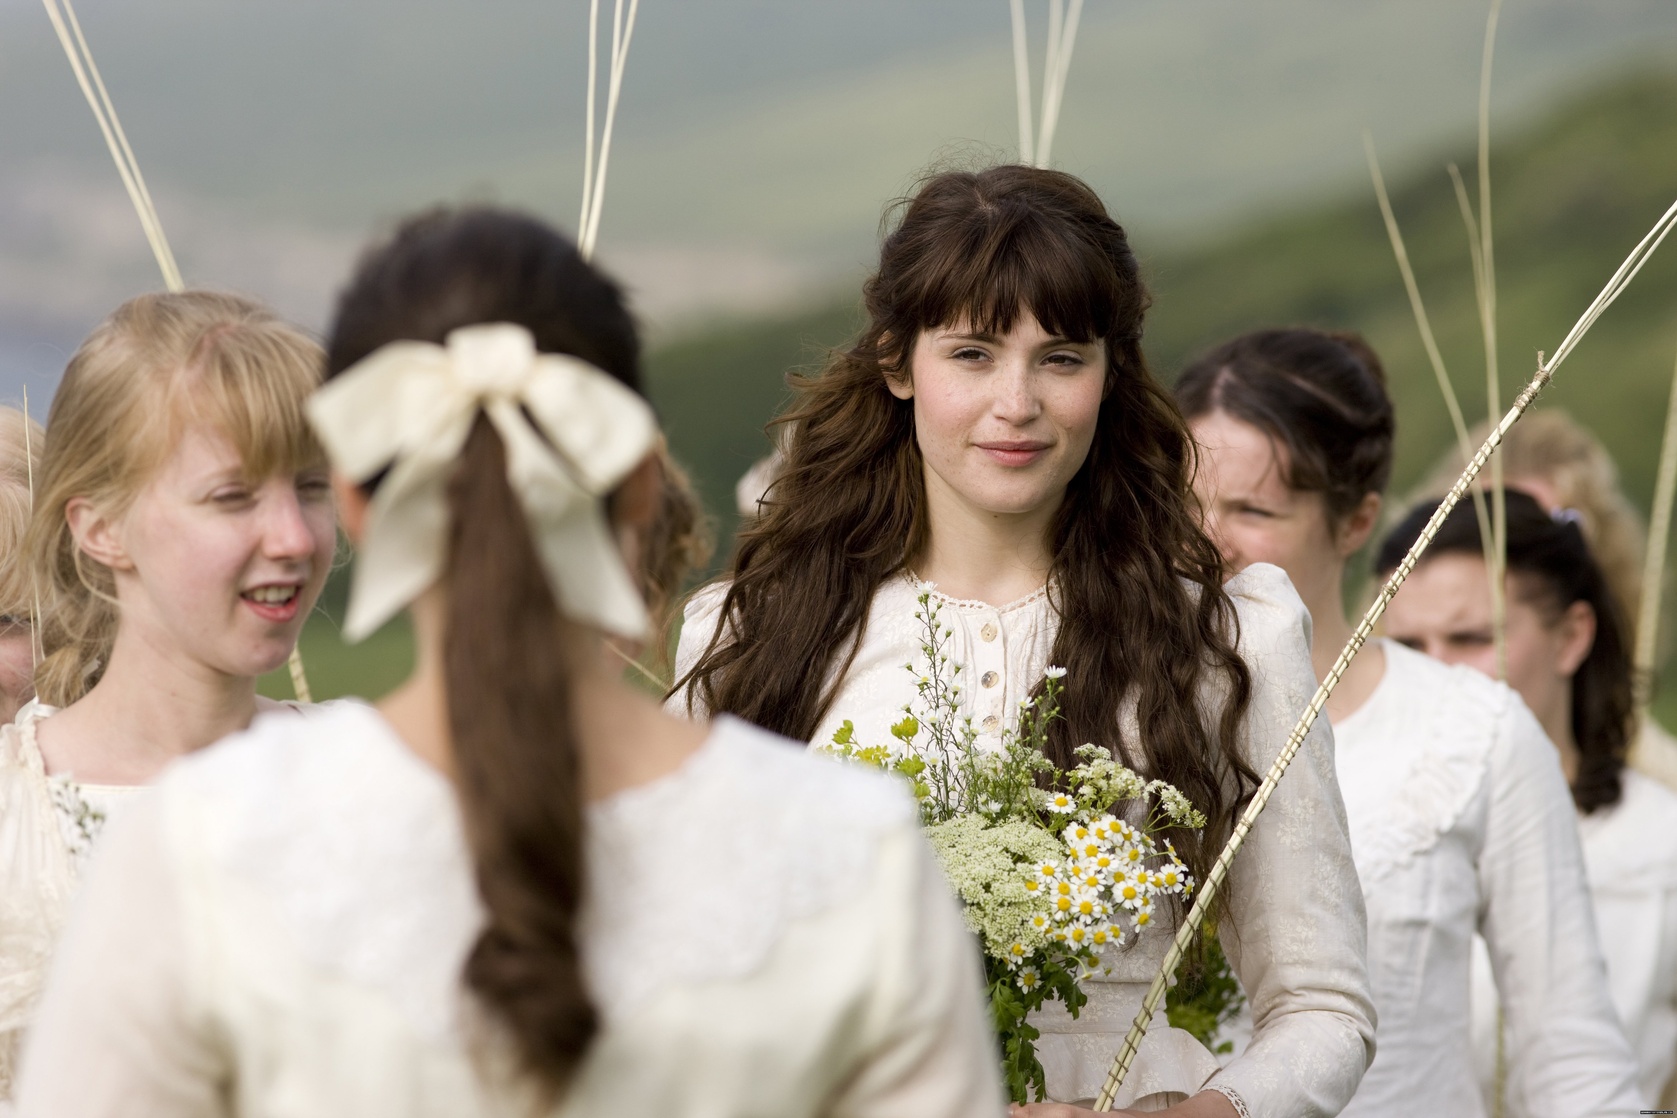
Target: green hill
{"x":1573,"y":193}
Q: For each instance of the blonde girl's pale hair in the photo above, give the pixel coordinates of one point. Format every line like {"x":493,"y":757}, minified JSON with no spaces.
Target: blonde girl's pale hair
{"x":1551,"y":446}
{"x":21,"y":439}
{"x":158,"y":365}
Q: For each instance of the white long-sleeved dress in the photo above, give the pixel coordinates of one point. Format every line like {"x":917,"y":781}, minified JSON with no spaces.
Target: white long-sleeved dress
{"x":279,"y":930}
{"x":1630,"y":858}
{"x":1295,"y":935}
{"x":1460,"y":822}
{"x":49,"y":824}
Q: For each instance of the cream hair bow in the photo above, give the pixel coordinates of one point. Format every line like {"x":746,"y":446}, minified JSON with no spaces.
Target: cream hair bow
{"x":571,"y":432}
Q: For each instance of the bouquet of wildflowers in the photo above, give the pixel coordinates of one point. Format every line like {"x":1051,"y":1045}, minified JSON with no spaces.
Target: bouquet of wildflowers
{"x":1052,"y":867}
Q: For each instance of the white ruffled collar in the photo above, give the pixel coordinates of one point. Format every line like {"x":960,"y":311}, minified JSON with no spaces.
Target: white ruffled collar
{"x":1449,"y":756}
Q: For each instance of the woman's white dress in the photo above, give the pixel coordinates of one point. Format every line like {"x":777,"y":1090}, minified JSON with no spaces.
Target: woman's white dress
{"x":279,"y":930}
{"x":1461,"y":822}
{"x":1630,"y":858}
{"x":48,"y":826}
{"x":1296,"y":931}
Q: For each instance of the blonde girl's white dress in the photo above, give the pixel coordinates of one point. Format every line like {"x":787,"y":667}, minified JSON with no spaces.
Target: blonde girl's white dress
{"x":1630,"y":858}
{"x":48,"y":827}
{"x":279,"y":930}
{"x":1295,"y":932}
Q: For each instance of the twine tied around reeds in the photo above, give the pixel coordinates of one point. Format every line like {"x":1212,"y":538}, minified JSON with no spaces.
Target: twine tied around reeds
{"x":1213,"y":883}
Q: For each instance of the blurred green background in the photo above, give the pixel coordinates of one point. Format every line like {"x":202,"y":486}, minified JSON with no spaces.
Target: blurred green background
{"x":1574,"y":190}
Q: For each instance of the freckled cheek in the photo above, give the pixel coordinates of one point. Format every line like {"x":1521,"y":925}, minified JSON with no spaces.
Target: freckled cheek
{"x":1075,"y":408}
{"x":944,"y":420}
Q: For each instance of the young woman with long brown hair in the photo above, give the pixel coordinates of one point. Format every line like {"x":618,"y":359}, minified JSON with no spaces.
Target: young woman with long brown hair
{"x":516,"y":886}
{"x":1460,"y":820}
{"x":182,"y":529}
{"x":995,"y":432}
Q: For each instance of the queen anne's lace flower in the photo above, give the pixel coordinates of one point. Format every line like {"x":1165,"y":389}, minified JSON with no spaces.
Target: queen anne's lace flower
{"x":1052,"y":868}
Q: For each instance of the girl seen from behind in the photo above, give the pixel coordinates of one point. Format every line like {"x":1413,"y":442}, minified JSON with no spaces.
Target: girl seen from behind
{"x":182,"y":529}
{"x":995,"y":438}
{"x":516,"y":885}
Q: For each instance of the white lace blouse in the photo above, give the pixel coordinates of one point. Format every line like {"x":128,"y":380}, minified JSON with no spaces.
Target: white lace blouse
{"x":1295,"y":935}
{"x":1630,"y":857}
{"x":48,"y":827}
{"x":280,"y":930}
{"x":1461,"y":821}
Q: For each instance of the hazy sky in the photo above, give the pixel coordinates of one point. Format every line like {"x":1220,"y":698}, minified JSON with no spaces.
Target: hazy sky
{"x":757,"y":141}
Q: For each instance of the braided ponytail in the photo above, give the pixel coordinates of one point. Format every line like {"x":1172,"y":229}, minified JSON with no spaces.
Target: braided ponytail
{"x":509,"y":660}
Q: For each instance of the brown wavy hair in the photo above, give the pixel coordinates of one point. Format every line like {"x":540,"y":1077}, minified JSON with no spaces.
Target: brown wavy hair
{"x":509,"y":653}
{"x":1145,"y":626}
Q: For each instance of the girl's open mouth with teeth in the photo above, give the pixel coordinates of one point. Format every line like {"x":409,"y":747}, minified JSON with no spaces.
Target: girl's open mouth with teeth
{"x":275,"y":602}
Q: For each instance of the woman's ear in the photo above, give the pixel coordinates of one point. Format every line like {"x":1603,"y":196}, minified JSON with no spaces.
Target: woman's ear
{"x":96,"y":534}
{"x":900,"y":384}
{"x":352,"y":508}
{"x":1577,"y":637}
{"x":1358,"y":525}
{"x":635,"y":504}
{"x":900,"y":380}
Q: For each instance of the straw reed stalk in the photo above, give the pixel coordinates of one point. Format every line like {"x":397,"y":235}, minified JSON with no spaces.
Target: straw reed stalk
{"x":594,"y":175}
{"x":1022,"y":81}
{"x":1653,"y":565}
{"x":1429,"y":342}
{"x":1062,"y":37}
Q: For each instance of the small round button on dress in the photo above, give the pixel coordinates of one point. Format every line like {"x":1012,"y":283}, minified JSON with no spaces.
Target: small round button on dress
{"x":988,"y":632}
{"x":990,"y":723}
{"x":989,"y":679}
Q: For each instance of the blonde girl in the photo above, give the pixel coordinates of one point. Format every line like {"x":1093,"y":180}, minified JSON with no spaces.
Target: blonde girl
{"x":183,"y":526}
{"x":20,"y":461}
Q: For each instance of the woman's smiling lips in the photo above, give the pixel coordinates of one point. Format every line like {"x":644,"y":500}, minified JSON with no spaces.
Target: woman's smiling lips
{"x":274,"y":602}
{"x":1014,"y":452}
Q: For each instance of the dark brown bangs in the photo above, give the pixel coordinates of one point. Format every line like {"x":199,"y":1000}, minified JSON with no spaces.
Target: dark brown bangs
{"x":1010,"y":256}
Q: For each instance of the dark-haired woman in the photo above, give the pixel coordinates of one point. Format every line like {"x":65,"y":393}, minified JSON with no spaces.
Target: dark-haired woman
{"x":1569,"y":658}
{"x":516,"y":885}
{"x":995,"y":434}
{"x":1460,"y":820}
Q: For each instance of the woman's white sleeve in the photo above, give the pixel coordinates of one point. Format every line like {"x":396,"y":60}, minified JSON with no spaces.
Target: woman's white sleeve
{"x":928,"y":1050}
{"x":1296,"y":933}
{"x":1567,"y":1054}
{"x":699,"y":619}
{"x":118,"y":1032}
